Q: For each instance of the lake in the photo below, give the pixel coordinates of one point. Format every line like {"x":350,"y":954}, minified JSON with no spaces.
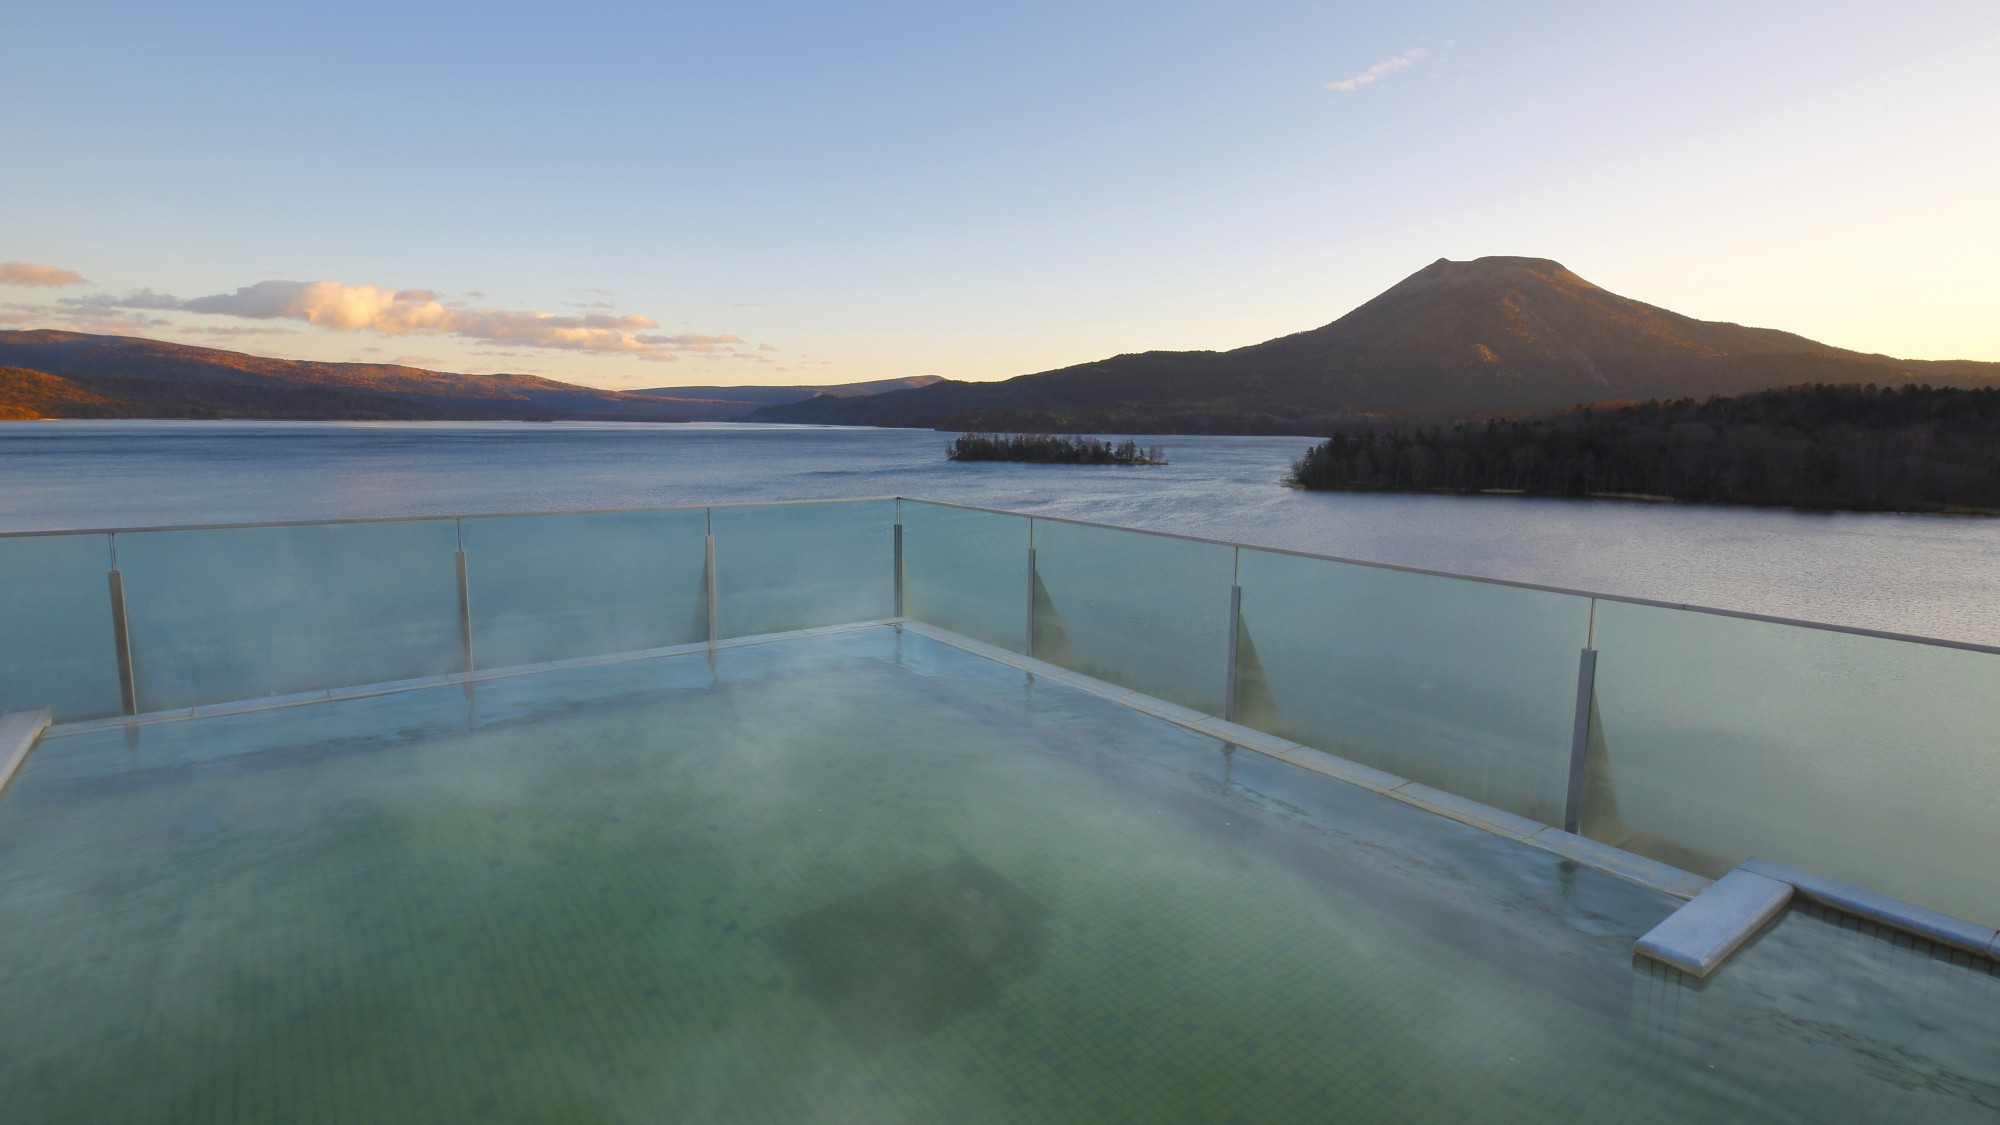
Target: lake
{"x":1925,"y":574}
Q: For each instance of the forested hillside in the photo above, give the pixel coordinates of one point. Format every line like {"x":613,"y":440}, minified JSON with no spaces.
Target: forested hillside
{"x":1866,"y":448}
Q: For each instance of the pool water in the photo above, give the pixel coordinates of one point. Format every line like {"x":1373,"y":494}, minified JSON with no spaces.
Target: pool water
{"x":870,"y":877}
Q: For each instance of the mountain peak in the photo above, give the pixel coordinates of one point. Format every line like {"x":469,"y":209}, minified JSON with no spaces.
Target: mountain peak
{"x":1496,"y":269}
{"x":1494,"y":263}
{"x":1519,"y":332}
{"x":1487,"y":282}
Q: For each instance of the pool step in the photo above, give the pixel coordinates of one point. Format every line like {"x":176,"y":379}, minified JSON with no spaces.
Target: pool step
{"x":1715,"y":923}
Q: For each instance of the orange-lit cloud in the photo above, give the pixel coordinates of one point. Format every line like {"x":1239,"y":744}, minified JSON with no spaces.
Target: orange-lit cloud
{"x":34,"y":273}
{"x":1403,"y":61}
{"x":408,"y":312}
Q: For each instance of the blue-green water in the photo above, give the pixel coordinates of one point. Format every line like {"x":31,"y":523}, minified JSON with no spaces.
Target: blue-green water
{"x":868,"y":878}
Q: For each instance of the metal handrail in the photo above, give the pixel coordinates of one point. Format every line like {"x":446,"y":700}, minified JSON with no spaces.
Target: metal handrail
{"x":1828,"y":626}
{"x":1747,"y":615}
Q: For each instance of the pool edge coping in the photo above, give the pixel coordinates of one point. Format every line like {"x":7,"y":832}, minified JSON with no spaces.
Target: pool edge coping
{"x":1936,"y":927}
{"x":1649,"y":873}
{"x":448,"y":679}
{"x":1943,"y":930}
{"x":20,"y":732}
{"x":1577,"y":849}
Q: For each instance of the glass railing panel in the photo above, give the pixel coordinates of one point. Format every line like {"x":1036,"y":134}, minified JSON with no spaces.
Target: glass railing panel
{"x":1863,"y":759}
{"x":780,"y":567}
{"x":1147,"y":612}
{"x":1465,"y":686}
{"x":238,"y":613}
{"x":967,"y":571}
{"x":56,"y":644}
{"x":552,"y":587}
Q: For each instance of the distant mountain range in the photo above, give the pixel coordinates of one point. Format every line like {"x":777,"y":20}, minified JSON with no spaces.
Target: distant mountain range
{"x":1455,"y":340}
{"x":721,"y":404}
{"x":45,"y":373}
{"x":1494,"y":336}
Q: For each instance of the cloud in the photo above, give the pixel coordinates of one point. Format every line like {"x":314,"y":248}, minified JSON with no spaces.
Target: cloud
{"x":137,"y":299}
{"x":232,"y":330}
{"x":34,"y":273}
{"x":694,"y":342}
{"x":1403,"y":61}
{"x":420,"y":312}
{"x":113,"y":321}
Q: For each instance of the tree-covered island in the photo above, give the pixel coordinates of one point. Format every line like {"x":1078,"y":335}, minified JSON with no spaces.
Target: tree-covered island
{"x":1053,"y":449}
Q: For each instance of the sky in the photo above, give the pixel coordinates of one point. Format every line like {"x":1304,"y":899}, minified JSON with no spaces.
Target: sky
{"x":663,"y":194}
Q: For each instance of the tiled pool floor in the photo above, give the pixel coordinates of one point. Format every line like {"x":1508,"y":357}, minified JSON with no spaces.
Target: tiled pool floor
{"x":869,"y":877}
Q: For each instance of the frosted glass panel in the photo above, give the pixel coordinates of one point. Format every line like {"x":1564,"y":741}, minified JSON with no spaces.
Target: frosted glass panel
{"x":1143,"y":611}
{"x":244,"y":612}
{"x":1871,"y":761}
{"x":1466,"y":686}
{"x":553,"y":587}
{"x":56,"y":646}
{"x":967,"y":571}
{"x":799,"y":566}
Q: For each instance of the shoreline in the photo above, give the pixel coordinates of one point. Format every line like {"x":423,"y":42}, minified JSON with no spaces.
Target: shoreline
{"x":1651,"y":498}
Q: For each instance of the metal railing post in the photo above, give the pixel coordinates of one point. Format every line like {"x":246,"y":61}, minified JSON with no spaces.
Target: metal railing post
{"x":1235,"y":633}
{"x":464,"y":602}
{"x":1579,"y":739}
{"x":899,"y":568}
{"x":709,"y":546}
{"x":121,"y":639}
{"x":1029,"y":649}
